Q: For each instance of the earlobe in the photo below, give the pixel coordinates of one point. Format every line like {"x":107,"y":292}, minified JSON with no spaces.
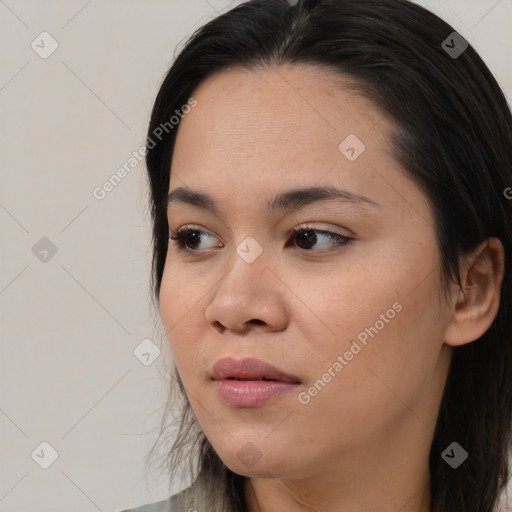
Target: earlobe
{"x":478,"y":302}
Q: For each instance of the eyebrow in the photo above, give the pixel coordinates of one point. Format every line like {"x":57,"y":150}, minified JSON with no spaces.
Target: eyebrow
{"x":290,"y":200}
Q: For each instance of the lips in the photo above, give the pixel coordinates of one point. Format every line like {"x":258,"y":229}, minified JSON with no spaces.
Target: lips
{"x":249,"y":369}
{"x":250,"y":382}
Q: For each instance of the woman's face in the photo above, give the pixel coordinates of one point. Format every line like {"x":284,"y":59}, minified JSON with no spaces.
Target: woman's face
{"x":351,"y":309}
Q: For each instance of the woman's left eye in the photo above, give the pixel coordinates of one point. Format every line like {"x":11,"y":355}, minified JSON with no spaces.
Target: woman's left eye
{"x":309,"y":237}
{"x":306,"y":237}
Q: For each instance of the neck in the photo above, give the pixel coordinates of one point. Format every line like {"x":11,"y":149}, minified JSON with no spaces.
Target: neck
{"x":385,"y":476}
{"x":268,"y":495}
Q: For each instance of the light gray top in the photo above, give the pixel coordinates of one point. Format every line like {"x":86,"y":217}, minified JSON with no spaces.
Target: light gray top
{"x":183,"y":501}
{"x":195,"y":498}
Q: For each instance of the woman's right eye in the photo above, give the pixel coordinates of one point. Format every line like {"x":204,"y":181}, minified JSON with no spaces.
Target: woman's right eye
{"x":185,"y":237}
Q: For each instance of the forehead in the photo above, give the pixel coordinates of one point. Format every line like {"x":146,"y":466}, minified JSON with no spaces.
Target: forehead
{"x":274,"y":127}
{"x":286,"y":105}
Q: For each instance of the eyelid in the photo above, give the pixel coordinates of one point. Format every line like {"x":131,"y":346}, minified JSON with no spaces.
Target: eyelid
{"x":310,"y":226}
{"x":299,"y":227}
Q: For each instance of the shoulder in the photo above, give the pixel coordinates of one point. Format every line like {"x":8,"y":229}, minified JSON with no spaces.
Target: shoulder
{"x":183,"y":501}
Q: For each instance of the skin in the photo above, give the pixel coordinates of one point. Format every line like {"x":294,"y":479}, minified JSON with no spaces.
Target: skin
{"x":362,"y":443}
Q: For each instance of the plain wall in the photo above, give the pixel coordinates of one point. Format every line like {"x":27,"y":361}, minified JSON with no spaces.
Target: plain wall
{"x":70,"y":321}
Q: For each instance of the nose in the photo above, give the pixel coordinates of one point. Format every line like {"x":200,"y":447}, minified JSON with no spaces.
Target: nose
{"x":248,"y":296}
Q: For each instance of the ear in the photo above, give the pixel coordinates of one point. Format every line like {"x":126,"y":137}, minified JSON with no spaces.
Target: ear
{"x":473,"y":312}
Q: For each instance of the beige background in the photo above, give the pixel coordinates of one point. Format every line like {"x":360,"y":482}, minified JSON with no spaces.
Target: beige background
{"x":69,"y":324}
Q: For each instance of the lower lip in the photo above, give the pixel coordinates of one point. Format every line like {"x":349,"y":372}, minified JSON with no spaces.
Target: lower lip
{"x":251,"y":393}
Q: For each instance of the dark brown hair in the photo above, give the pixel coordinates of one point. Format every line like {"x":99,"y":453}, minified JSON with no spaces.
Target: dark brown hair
{"x":453,"y":137}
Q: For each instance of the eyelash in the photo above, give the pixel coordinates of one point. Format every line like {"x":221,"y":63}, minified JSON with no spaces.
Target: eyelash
{"x":180,"y":237}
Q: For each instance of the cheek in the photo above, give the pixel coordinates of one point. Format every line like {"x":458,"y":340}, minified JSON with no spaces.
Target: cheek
{"x":335,"y":305}
{"x":389,"y":368}
{"x":387,"y":310}
{"x":180,"y":311}
{"x":181,"y":291}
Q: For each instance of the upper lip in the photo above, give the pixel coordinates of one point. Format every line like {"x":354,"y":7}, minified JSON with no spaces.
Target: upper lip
{"x":249,"y":369}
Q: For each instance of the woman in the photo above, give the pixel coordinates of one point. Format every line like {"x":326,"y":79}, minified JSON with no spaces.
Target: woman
{"x":332,"y":244}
